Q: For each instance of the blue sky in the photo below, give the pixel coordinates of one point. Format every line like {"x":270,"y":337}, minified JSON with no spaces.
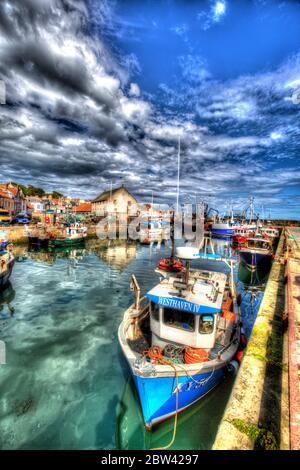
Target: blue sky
{"x":100,"y":91}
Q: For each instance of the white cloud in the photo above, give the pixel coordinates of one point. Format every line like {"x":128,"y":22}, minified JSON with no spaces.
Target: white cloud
{"x":216,"y":12}
{"x":134,"y":90}
{"x":219,"y":10}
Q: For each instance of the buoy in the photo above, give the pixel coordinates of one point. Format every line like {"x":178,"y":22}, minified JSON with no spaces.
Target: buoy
{"x":233,"y":366}
{"x":241,"y":349}
{"x":228,"y":315}
{"x":243,"y":340}
{"x":170,"y":264}
{"x":239,"y":356}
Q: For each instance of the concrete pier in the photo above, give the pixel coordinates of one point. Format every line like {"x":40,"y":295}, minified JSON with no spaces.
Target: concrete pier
{"x":257,"y":414}
{"x":18,"y":234}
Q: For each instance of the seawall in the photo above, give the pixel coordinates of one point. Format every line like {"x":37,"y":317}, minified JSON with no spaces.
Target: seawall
{"x":257,"y":414}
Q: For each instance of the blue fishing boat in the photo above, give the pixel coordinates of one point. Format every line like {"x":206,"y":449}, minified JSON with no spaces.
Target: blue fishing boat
{"x":181,"y":338}
{"x":223,"y":229}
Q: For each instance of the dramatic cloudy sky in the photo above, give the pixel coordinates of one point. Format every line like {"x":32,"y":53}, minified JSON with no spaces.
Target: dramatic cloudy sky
{"x":100,"y":90}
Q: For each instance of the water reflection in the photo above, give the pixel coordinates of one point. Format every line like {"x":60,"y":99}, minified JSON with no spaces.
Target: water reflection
{"x":114,"y":253}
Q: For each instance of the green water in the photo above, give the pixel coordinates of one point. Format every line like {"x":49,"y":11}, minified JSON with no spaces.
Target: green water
{"x":65,"y":384}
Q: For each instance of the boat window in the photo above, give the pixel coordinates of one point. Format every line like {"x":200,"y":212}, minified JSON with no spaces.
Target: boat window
{"x":206,"y":324}
{"x":155,"y":311}
{"x":179,"y":319}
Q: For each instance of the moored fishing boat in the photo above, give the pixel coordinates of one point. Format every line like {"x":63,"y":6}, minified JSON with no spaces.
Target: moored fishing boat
{"x":154,"y":230}
{"x":75,"y":234}
{"x":180,"y":339}
{"x":270,"y":232}
{"x":222,"y":229}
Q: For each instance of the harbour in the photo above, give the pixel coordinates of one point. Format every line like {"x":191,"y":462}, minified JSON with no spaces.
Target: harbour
{"x":149,"y":231}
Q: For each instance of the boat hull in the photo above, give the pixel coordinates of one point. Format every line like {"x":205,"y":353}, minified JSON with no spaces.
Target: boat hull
{"x":222,"y":232}
{"x":158,"y":394}
{"x":4,"y":277}
{"x":254,"y":259}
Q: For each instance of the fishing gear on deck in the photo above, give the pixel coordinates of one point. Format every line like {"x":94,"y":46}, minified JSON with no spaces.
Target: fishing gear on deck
{"x":174,"y":353}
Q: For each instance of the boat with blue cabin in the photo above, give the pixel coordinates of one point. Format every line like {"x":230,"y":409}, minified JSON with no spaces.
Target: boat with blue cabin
{"x":181,"y":338}
{"x":258,"y":252}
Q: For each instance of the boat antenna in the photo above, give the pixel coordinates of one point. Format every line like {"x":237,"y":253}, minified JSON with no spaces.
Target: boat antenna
{"x":178,"y":175}
{"x":251,"y":209}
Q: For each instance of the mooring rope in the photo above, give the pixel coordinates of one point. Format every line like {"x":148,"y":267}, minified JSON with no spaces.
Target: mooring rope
{"x":155,"y":353}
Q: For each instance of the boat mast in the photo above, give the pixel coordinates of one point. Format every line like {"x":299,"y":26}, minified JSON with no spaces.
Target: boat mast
{"x":251,"y":209}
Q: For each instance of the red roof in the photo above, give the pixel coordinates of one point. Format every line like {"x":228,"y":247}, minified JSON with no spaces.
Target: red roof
{"x":12,"y":189}
{"x":4,"y":194}
{"x":84,"y":207}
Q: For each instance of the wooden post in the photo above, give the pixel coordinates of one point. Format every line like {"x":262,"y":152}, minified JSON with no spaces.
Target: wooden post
{"x":187,"y":272}
{"x":137,"y":291}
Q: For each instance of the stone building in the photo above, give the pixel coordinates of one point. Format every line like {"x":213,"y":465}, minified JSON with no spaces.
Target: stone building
{"x":116,"y":201}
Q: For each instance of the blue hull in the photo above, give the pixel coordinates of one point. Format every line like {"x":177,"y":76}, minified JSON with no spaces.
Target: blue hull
{"x":158,"y":394}
{"x":222,"y":232}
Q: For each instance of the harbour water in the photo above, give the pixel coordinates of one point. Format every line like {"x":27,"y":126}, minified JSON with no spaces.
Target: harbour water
{"x":65,"y":384}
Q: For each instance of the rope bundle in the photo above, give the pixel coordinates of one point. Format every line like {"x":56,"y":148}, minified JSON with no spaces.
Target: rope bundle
{"x":193,"y":355}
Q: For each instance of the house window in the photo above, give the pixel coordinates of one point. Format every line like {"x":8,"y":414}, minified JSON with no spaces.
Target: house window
{"x":178,"y":319}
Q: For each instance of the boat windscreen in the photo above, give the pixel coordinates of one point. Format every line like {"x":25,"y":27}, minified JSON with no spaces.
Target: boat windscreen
{"x":178,"y":319}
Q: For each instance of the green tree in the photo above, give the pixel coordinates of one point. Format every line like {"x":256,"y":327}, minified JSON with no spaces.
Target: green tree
{"x":56,"y":194}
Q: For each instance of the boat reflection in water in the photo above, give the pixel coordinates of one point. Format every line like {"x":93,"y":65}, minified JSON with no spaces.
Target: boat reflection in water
{"x":117,"y":254}
{"x":253,"y":277}
{"x":50,"y":256}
